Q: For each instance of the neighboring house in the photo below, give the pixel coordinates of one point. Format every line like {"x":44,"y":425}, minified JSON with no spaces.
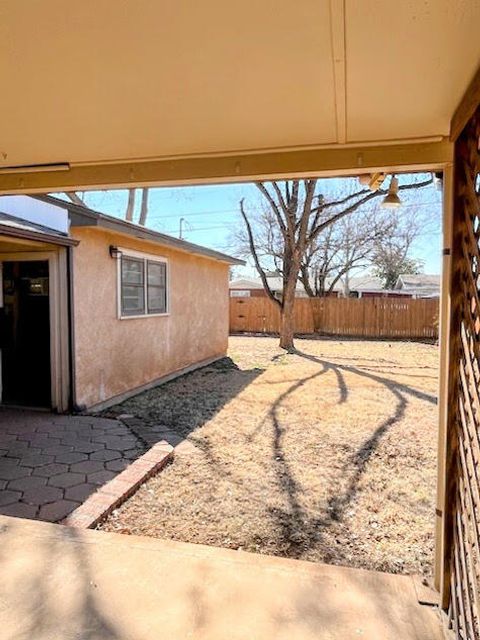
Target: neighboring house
{"x":420,"y":285}
{"x":368,"y":287}
{"x":358,"y":287}
{"x":94,"y":309}
{"x":253,"y":287}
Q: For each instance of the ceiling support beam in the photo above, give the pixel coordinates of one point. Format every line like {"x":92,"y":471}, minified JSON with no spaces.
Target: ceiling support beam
{"x":338,"y":161}
{"x":467,"y":107}
{"x":337,"y":28}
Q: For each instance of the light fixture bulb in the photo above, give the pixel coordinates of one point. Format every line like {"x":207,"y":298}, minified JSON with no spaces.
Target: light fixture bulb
{"x":391,"y":200}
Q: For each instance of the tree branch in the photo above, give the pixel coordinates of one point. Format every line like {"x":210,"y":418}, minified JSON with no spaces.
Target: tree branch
{"x":130,"y":205}
{"x":144,"y":207}
{"x":336,"y":203}
{"x":253,"y":250}
{"x":379,"y":192}
{"x":364,"y":200}
{"x":307,"y":207}
{"x":264,"y":191}
{"x":286,"y":207}
{"x":305,"y":280}
{"x":75,"y":198}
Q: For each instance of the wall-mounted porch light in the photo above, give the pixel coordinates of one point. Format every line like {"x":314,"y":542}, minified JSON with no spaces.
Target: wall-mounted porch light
{"x":391,"y":200}
{"x":115,"y":252}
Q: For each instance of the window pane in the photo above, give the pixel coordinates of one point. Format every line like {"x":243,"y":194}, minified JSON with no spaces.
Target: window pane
{"x":133,"y":301}
{"x":156,"y":273}
{"x":132,"y":271}
{"x":157,"y":287}
{"x":157,"y":300}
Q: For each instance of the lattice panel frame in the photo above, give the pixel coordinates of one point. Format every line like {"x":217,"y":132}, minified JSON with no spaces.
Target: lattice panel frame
{"x":464,"y":470}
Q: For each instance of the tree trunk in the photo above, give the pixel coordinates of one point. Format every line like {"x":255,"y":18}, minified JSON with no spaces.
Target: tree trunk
{"x":144,"y":208}
{"x":287,"y":323}
{"x":130,"y":205}
{"x":286,"y":330}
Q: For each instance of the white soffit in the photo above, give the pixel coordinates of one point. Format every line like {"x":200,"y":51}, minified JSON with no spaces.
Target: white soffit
{"x":408,"y":65}
{"x":113,"y":80}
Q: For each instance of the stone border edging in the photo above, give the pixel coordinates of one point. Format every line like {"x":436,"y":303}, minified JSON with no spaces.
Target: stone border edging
{"x":111,"y":495}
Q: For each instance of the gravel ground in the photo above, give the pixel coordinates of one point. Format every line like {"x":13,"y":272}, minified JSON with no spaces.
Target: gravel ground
{"x":327,"y":455}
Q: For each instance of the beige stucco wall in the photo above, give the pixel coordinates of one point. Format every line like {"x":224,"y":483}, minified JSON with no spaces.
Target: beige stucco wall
{"x":113,"y":356}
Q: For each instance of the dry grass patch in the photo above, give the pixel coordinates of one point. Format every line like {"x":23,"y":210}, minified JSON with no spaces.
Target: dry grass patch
{"x":326,"y":455}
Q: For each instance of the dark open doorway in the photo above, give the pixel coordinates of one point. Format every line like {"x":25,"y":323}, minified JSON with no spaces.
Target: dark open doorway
{"x":26,"y":334}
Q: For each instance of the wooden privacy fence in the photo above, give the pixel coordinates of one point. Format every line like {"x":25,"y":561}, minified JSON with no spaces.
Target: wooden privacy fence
{"x":363,"y":317}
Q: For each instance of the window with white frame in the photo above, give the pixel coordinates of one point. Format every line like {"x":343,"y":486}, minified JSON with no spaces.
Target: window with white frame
{"x":143,"y":286}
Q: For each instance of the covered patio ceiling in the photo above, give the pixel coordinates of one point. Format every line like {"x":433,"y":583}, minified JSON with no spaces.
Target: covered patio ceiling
{"x":128,"y":83}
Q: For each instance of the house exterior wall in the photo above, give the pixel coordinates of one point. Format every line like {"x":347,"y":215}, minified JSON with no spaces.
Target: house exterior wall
{"x":114,"y":356}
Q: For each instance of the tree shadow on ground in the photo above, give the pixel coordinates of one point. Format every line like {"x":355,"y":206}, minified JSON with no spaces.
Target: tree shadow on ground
{"x":185,"y":404}
{"x":289,"y":520}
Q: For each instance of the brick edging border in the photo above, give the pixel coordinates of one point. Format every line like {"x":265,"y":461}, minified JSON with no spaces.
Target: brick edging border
{"x":111,"y":495}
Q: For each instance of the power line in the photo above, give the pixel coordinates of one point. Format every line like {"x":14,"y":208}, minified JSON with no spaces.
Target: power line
{"x":225,"y":225}
{"x":197,"y":213}
{"x":157,"y":216}
{"x":228,"y":225}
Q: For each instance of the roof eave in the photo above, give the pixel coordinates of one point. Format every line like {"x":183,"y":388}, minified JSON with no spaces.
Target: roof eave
{"x":84,"y":217}
{"x":125,"y":228}
{"x":37,"y":236}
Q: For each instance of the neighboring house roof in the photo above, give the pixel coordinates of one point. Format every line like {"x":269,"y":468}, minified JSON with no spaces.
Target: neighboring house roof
{"x":14,"y":227}
{"x":418,"y":281}
{"x":275,"y":283}
{"x":246,"y":283}
{"x":81,"y":216}
{"x":422,"y":284}
{"x":359,"y":283}
{"x":364,"y":283}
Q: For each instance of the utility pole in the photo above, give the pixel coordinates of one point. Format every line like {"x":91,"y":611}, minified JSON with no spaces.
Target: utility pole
{"x":180,"y":233}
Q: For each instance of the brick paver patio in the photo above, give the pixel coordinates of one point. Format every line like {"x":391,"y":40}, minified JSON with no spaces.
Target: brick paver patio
{"x":50,"y":464}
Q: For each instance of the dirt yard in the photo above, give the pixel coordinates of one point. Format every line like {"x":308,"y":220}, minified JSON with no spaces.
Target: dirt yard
{"x":327,"y":455}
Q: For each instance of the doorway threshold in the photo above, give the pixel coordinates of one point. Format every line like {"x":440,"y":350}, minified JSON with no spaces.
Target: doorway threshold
{"x":24,"y":407}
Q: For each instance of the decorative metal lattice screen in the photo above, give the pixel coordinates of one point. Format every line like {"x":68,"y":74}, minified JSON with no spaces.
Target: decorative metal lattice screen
{"x":463,"y":466}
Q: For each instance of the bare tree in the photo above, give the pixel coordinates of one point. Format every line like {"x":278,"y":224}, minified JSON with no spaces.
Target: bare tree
{"x":341,"y":247}
{"x":297,"y":214}
{"x":79,"y":198}
{"x":390,"y":257}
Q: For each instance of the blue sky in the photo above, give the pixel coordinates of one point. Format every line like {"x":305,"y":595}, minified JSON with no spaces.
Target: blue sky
{"x":211,"y":213}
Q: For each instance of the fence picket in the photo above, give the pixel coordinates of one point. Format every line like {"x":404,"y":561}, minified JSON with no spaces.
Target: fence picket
{"x":364,"y":317}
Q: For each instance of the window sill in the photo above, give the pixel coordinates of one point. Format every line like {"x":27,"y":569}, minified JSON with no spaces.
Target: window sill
{"x":144,"y":316}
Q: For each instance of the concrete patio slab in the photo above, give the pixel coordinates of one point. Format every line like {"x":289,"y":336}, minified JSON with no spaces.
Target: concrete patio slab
{"x":51,"y":463}
{"x":59,"y":582}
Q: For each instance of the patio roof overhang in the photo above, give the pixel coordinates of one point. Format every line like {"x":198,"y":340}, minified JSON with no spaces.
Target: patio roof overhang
{"x":101,"y":94}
